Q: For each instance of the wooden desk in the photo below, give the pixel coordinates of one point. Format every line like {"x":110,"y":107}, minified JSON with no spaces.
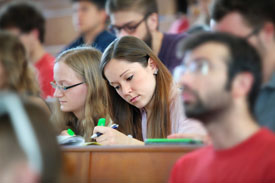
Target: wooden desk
{"x":119,"y":164}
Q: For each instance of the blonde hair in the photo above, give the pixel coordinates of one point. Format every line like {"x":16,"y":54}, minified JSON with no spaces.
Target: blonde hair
{"x":20,"y":76}
{"x":85,"y":62}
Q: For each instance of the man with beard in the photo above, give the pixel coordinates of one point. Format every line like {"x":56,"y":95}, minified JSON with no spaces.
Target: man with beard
{"x":255,"y":21}
{"x":139,"y":18}
{"x":220,"y":84}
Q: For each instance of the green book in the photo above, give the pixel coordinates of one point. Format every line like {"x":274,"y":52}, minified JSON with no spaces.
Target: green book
{"x":173,"y":141}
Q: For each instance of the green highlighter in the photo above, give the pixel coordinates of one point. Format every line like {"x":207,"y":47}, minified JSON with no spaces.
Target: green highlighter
{"x":101,"y":122}
{"x":70,"y":132}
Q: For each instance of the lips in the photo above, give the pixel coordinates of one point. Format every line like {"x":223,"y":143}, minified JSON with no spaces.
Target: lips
{"x":187,"y":96}
{"x":62,"y":102}
{"x":134,"y":99}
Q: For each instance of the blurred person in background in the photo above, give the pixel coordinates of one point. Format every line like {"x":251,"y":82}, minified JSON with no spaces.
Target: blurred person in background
{"x":89,"y":20}
{"x":26,"y":21}
{"x":140,"y":18}
{"x":16,"y":73}
{"x":255,"y":21}
{"x":221,"y":81}
{"x":40,"y":160}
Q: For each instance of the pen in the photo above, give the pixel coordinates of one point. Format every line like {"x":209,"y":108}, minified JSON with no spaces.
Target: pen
{"x":97,"y":134}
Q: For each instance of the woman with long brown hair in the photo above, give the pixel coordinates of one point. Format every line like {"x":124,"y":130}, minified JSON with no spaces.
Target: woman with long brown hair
{"x":143,"y":98}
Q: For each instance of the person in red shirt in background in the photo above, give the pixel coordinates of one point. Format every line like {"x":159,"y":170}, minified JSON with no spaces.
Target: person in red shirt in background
{"x":221,"y":81}
{"x":26,"y":21}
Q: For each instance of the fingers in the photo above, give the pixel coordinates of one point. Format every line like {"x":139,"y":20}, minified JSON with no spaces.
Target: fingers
{"x":64,"y":133}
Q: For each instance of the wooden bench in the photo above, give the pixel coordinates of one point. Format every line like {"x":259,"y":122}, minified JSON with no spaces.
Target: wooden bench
{"x":120,"y":164}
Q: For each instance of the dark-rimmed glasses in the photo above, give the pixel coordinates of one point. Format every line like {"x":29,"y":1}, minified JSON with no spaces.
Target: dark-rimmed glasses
{"x":127,"y":27}
{"x":255,"y":31}
{"x":64,"y":88}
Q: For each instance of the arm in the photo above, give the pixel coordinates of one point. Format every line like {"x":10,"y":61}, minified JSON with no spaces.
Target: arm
{"x":111,"y":136}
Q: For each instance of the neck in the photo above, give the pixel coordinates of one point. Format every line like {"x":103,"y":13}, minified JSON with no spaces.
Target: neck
{"x":79,"y":114}
{"x":90,"y":35}
{"x":268,"y":69}
{"x":231,"y":127}
{"x":156,"y":41}
{"x":36,"y":53}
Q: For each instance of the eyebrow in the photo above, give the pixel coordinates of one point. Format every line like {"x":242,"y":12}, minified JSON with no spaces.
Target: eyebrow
{"x":124,"y":72}
{"x":126,"y":24}
{"x":120,"y":76}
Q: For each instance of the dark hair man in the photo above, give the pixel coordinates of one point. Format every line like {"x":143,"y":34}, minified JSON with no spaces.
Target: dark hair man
{"x":220,"y":83}
{"x":140,"y":18}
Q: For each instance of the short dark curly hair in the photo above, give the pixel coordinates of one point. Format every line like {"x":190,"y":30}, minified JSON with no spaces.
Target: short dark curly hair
{"x":24,"y":16}
{"x":100,"y":4}
{"x":254,"y":12}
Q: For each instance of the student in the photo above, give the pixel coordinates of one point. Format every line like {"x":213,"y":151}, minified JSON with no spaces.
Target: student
{"x":255,"y":21}
{"x":16,"y":74}
{"x":26,"y":21}
{"x":220,"y":84}
{"x":80,"y":91}
{"x":24,"y":159}
{"x":143,"y":99}
{"x":140,"y":18}
{"x":89,"y":19}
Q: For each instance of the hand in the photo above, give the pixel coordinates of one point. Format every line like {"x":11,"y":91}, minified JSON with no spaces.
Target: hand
{"x":205,"y":138}
{"x":111,"y":136}
{"x":64,"y":133}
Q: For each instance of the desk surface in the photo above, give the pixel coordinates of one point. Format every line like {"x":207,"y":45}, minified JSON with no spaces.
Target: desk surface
{"x":119,"y":164}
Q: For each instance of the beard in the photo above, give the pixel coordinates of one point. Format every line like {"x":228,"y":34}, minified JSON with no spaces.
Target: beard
{"x":206,"y":111}
{"x":148,"y":37}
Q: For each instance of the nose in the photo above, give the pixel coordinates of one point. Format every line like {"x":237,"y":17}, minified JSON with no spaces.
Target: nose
{"x":186,"y":79}
{"x":126,"y":90}
{"x":122,"y":33}
{"x":57,"y":93}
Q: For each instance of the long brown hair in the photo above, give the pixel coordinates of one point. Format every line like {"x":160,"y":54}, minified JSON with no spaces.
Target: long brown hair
{"x":20,"y":75}
{"x":85,"y":62}
{"x":132,"y":49}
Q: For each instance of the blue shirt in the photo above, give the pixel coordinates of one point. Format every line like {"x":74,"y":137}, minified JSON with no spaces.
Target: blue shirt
{"x":102,"y":40}
{"x":265,"y":105}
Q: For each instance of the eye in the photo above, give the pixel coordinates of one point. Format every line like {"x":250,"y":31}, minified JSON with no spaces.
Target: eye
{"x":130,"y":28}
{"x":130,"y":78}
{"x":116,"y":87}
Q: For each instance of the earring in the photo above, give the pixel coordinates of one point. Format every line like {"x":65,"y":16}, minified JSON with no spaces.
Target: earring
{"x":156,"y":72}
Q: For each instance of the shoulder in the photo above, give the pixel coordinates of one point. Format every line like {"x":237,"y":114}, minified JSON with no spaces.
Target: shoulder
{"x":39,"y":102}
{"x":45,"y":61}
{"x":75,"y":43}
{"x":173,"y":38}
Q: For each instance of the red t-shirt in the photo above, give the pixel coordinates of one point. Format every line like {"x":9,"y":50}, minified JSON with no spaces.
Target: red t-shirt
{"x":45,"y":74}
{"x":249,"y":162}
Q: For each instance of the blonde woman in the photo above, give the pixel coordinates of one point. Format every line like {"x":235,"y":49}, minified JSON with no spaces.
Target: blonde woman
{"x":16,"y":74}
{"x":80,"y":91}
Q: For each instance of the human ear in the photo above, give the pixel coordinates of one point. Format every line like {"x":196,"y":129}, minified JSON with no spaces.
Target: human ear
{"x":242,"y":84}
{"x":152,"y":22}
{"x":152,"y":65}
